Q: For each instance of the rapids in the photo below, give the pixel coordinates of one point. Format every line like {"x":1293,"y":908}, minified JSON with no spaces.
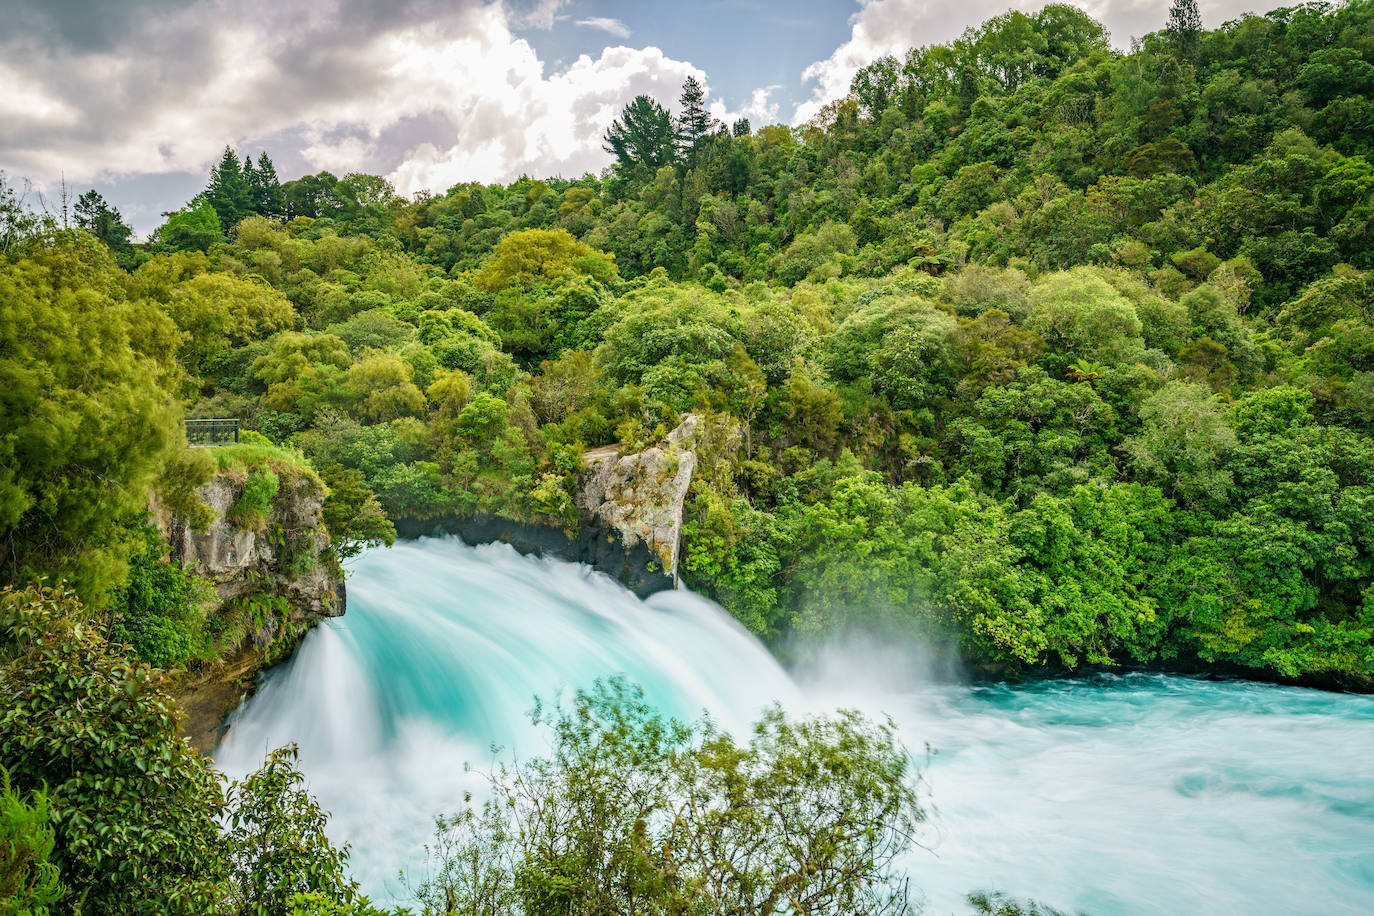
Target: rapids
{"x":1136,"y":794}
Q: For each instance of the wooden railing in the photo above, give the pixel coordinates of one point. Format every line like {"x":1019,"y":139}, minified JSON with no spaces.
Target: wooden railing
{"x":212,"y":432}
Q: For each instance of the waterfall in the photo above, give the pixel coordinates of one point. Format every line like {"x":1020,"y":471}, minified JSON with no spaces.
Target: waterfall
{"x":1139,"y":794}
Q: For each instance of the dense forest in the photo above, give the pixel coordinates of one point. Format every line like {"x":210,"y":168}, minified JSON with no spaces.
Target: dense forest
{"x":1058,"y":355}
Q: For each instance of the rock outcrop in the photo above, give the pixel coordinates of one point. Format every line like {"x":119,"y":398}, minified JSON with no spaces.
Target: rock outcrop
{"x":631,"y":515}
{"x":639,"y":496}
{"x":272,"y":581}
{"x":285,"y":558}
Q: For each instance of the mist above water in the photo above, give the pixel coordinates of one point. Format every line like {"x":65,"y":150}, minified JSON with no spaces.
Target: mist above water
{"x":1142,"y":794}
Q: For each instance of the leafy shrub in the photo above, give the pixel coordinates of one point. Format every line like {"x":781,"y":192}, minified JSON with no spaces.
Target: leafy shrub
{"x":134,"y":809}
{"x":159,"y":612}
{"x":250,"y":508}
{"x":277,"y":847}
{"x":635,"y":813}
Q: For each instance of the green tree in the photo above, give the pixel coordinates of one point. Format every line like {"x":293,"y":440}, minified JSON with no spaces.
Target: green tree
{"x":1185,"y":25}
{"x":643,"y":137}
{"x":87,"y":422}
{"x":265,"y":190}
{"x":1184,"y":444}
{"x":276,"y":844}
{"x":694,"y":124}
{"x":230,"y":191}
{"x":352,"y":513}
{"x":194,"y":227}
{"x":102,"y":221}
{"x":631,"y":813}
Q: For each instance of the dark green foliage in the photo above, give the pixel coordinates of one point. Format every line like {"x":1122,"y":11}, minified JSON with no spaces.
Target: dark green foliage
{"x":105,"y":223}
{"x":139,"y":821}
{"x":134,"y":808}
{"x":353,"y":515}
{"x":1185,"y":25}
{"x":159,"y":612}
{"x":276,"y":846}
{"x":644,"y":137}
{"x":230,"y":191}
{"x":632,"y":813}
{"x":694,"y":124}
{"x":266,"y":192}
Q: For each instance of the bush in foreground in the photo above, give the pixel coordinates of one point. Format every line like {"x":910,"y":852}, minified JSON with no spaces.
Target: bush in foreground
{"x":634,"y":813}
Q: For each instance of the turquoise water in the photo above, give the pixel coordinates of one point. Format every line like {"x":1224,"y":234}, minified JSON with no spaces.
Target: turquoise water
{"x":1138,"y":794}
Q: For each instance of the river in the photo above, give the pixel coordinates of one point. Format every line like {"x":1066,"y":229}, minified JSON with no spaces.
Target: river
{"x":1111,"y":795}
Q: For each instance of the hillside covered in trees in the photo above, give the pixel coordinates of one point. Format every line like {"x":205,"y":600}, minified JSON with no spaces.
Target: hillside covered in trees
{"x":1056,"y":355}
{"x":1062,"y":354}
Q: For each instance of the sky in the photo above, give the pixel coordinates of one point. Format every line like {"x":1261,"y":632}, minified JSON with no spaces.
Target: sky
{"x":138,"y":98}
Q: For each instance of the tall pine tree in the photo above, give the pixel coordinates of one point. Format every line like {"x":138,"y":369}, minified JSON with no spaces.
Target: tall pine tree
{"x":102,"y":221}
{"x":267,"y":193}
{"x":694,"y":124}
{"x":229,"y":192}
{"x":643,"y":135}
{"x":1185,"y":26}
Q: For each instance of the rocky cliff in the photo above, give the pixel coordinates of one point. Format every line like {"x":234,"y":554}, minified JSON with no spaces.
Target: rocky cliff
{"x":639,"y":496}
{"x":283,"y":557}
{"x":265,"y":552}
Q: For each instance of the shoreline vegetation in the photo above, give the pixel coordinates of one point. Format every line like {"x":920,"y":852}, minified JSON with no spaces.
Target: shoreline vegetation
{"x":1059,"y":355}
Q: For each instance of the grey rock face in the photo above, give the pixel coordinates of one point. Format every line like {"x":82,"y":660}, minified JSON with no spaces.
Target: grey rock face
{"x":285,"y":559}
{"x":640,"y":496}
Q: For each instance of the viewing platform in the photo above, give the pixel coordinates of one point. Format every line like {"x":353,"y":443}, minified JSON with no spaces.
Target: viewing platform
{"x":220,"y":431}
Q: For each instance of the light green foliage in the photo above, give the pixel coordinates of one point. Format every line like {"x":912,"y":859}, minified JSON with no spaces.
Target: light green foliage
{"x":1080,"y":314}
{"x":29,"y":881}
{"x":535,"y":256}
{"x":177,"y":488}
{"x":251,"y":506}
{"x":298,"y":370}
{"x":985,"y":904}
{"x":86,"y":425}
{"x":1184,"y":444}
{"x":215,"y":310}
{"x":632,"y":813}
{"x":379,"y":387}
{"x":900,"y":346}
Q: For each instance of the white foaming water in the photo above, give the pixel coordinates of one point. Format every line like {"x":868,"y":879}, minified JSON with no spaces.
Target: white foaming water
{"x":1144,"y":794}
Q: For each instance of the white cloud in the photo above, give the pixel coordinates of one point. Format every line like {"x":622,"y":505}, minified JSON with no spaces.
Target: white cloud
{"x":759,"y":110}
{"x":606,"y":24}
{"x":447,"y":96}
{"x":518,"y":121}
{"x":543,"y":14}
